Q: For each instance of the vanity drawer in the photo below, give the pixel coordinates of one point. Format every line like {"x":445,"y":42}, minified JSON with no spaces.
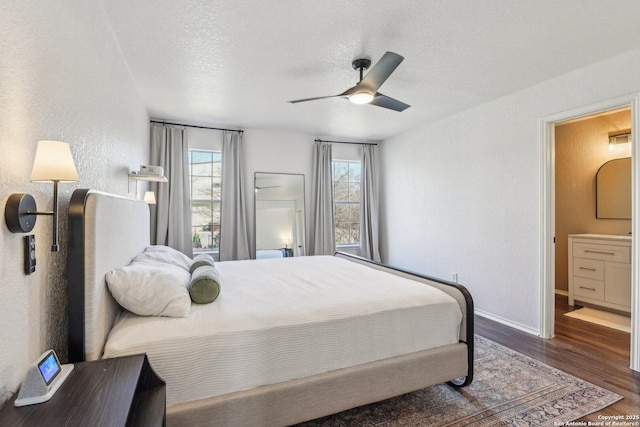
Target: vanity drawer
{"x":588,"y":288}
{"x":602,"y":252}
{"x":589,"y":268}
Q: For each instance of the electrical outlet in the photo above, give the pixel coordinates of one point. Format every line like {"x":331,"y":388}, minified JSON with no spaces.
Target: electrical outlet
{"x":454,"y":277}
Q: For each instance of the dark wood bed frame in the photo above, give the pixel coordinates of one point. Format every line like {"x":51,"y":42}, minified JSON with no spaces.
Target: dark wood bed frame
{"x":199,"y":413}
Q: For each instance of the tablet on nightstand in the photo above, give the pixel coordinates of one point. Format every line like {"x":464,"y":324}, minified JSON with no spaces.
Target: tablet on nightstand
{"x":43,"y":379}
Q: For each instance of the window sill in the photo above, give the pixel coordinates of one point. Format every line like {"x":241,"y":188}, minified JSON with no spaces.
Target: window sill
{"x":350,"y":249}
{"x":215,"y":253}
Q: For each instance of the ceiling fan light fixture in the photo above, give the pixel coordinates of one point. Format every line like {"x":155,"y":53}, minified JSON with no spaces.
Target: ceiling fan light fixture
{"x":361,"y":97}
{"x":366,"y":90}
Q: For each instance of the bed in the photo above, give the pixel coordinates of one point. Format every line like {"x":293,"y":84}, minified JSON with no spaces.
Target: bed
{"x":269,"y":253}
{"x":272,"y":357}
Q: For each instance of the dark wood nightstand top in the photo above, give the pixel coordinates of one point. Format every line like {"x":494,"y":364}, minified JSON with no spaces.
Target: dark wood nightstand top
{"x":109,"y":392}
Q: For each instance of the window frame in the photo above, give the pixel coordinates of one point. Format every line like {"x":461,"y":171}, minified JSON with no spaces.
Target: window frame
{"x":349,"y":202}
{"x":213,"y":201}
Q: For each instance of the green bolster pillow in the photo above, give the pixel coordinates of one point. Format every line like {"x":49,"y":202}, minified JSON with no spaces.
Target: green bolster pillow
{"x":200,"y":260}
{"x":204,"y":286}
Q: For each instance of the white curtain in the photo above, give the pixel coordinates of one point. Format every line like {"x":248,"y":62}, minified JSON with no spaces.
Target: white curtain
{"x":234,"y":235}
{"x":171,"y":220}
{"x":369,"y":205}
{"x":322,"y":238}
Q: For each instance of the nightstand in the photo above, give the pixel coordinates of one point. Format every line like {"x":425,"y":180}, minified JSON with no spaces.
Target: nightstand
{"x":109,"y":392}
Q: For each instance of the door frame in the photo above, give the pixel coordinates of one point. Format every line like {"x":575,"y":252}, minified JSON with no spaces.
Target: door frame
{"x":547,"y":255}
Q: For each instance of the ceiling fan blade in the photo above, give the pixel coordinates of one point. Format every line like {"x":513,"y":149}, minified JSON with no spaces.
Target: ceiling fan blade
{"x":384,"y":101}
{"x":313,"y":99}
{"x":350,"y":91}
{"x":381,"y":71}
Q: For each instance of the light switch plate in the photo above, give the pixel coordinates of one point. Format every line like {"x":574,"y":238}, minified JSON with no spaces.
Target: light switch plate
{"x":29,"y":254}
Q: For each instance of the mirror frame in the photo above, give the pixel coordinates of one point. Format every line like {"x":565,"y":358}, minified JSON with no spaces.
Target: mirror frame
{"x":255,"y":210}
{"x":602,"y":196}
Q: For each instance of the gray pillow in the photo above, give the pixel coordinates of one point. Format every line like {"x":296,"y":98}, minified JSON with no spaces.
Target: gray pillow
{"x":204,"y":286}
{"x":200,"y":260}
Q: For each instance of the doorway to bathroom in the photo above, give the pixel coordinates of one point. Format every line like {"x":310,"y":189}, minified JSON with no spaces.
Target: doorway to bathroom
{"x":577,"y":145}
{"x":593,"y":230}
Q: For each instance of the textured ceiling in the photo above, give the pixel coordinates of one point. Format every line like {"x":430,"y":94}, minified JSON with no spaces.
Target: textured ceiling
{"x":236,"y":63}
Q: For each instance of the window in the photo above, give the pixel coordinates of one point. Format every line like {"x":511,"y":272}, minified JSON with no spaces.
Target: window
{"x":346,"y":201}
{"x":205,"y":185}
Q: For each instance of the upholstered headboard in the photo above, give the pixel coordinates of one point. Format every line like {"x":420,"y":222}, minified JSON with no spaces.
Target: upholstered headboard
{"x":105,"y":232}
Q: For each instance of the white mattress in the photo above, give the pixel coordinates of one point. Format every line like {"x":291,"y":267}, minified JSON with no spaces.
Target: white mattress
{"x":281,"y":319}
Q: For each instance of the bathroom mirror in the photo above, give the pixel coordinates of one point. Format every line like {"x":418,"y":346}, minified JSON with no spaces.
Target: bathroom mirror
{"x":613,"y":189}
{"x":279,"y":215}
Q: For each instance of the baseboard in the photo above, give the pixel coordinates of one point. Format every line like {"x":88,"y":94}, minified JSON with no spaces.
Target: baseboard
{"x":506,"y":322}
{"x":561,"y":292}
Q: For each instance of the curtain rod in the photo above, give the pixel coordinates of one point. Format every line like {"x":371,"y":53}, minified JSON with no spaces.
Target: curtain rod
{"x":346,"y":142}
{"x":197,"y":127}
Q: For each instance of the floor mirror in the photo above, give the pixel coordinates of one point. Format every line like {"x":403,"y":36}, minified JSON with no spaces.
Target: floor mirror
{"x":279,"y":215}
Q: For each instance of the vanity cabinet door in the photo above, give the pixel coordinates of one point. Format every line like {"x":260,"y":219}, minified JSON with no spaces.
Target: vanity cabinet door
{"x":618,"y":280}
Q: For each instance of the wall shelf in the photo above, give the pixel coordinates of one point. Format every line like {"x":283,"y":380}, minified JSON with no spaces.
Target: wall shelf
{"x":145,"y":177}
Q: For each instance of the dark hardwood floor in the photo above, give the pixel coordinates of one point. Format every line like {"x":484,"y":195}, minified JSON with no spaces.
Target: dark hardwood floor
{"x":591,"y":352}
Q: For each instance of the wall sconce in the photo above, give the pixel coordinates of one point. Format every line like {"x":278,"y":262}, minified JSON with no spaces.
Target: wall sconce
{"x":151,"y":174}
{"x":619,"y":137}
{"x":150,"y":198}
{"x":53,"y":163}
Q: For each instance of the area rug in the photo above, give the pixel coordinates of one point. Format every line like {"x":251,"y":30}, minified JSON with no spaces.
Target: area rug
{"x":509,"y":388}
{"x":604,"y":318}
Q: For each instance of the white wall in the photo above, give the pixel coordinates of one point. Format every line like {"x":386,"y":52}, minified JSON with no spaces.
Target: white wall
{"x":62,"y":76}
{"x":463,"y":194}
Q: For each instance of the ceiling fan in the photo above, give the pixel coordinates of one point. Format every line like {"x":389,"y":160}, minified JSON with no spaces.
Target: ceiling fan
{"x":366,"y":90}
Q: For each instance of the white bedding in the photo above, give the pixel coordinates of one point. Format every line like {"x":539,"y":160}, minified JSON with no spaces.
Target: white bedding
{"x":281,"y":319}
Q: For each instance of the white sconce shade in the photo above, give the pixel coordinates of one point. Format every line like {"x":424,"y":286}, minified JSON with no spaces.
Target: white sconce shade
{"x":53,"y":162}
{"x":150,"y":198}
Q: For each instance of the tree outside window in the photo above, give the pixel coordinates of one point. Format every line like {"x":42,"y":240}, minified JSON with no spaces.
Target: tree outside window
{"x":205,"y":184}
{"x":346,"y":199}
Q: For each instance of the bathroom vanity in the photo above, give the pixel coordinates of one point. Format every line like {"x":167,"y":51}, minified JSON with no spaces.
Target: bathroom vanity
{"x":600,"y":270}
